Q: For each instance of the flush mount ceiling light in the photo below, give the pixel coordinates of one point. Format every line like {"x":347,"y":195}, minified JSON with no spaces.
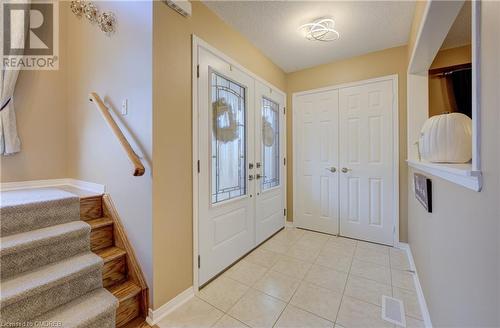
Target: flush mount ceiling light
{"x":321,"y":29}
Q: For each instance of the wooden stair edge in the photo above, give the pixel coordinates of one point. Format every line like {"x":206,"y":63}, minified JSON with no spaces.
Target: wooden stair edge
{"x":100,"y":222}
{"x":110,"y":253}
{"x":122,"y":275}
{"x":121,"y":241}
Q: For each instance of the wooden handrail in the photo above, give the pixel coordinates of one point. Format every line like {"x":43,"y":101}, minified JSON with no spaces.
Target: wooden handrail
{"x":134,"y":158}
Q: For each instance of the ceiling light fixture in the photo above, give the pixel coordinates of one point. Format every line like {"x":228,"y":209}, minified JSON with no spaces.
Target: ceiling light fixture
{"x":321,"y":29}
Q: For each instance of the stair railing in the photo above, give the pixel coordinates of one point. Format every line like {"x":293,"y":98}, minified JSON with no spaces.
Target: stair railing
{"x":133,"y":157}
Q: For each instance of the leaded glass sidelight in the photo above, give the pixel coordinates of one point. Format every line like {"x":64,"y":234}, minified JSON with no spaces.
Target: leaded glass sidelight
{"x":270,"y":144}
{"x":228,"y":139}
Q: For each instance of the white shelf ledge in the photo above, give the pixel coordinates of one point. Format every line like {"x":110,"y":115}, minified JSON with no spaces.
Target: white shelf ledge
{"x":461,"y":174}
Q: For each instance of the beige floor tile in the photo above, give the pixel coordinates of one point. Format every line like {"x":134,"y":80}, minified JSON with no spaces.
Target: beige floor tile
{"x":291,"y":267}
{"x":309,"y":245}
{"x":372,"y":246}
{"x":195,"y":313}
{"x":367,"y":290}
{"x":257,"y":309}
{"x":414,"y":323}
{"x":342,"y":245}
{"x":371,"y":271}
{"x":294,"y":317}
{"x":334,"y":260}
{"x":377,"y":256}
{"x":277,"y":285}
{"x":410,"y":300}
{"x":223,"y":292}
{"x":399,"y":259}
{"x":356,"y":313}
{"x":264,"y":257}
{"x":245,"y":272}
{"x":276,"y":246}
{"x":303,"y":254}
{"x":229,"y":322}
{"x":402,"y":279}
{"x":320,"y":301}
{"x":327,"y":278}
{"x":288,"y":236}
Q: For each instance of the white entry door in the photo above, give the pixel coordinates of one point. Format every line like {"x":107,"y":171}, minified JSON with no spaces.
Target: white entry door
{"x":316,"y":147}
{"x":367,"y":162}
{"x":269,"y":161}
{"x":226,"y":147}
{"x":241,"y":176}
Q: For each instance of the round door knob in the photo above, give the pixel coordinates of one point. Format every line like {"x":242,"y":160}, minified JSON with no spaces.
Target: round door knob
{"x":345,"y":170}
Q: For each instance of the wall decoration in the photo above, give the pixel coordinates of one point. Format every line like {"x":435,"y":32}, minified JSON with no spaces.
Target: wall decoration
{"x":90,"y":11}
{"x":423,"y":190}
{"x":107,"y":22}
{"x":77,"y":8}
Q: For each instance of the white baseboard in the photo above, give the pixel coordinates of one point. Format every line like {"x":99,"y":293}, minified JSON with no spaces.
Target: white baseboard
{"x":156,"y":315}
{"x":420,"y":293}
{"x":90,"y":186}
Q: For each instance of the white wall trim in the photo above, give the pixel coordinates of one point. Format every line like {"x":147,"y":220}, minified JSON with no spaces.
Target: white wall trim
{"x":154,"y":316}
{"x":420,"y":293}
{"x":197,"y":43}
{"x":436,"y":22}
{"x":80,"y":184}
{"x":461,"y":174}
{"x":395,"y":109}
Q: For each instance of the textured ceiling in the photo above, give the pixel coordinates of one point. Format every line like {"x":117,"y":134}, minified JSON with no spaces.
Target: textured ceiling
{"x":272,"y":26}
{"x":460,"y":33}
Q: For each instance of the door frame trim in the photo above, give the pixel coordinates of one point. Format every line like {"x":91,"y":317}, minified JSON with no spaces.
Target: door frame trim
{"x":395,"y":136}
{"x":197,"y":43}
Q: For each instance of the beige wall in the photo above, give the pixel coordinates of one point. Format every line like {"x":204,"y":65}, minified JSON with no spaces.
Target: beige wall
{"x":172,"y":186}
{"x":117,"y":67}
{"x":438,"y":97}
{"x":41,"y":124}
{"x":376,"y":64}
{"x":420,"y":7}
{"x":456,"y":248}
{"x":63,"y":134}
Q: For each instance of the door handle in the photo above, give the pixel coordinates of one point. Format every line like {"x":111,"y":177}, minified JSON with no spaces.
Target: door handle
{"x":331,"y":169}
{"x":258,"y":176}
{"x":345,"y":170}
{"x":250,"y":177}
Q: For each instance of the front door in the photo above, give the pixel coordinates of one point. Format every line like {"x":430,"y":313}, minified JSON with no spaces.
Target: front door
{"x":226,"y":148}
{"x":269,"y":161}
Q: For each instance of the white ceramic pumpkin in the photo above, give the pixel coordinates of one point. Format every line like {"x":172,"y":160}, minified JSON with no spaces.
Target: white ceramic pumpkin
{"x":446,"y":138}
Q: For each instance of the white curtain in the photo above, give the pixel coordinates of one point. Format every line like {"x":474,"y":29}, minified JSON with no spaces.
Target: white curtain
{"x":9,"y":140}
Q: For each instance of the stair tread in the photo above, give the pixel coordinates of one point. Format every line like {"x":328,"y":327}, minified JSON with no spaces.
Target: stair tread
{"x":82,"y":310}
{"x":110,"y":253}
{"x":125,"y":290}
{"x":36,"y":238}
{"x":46,"y":277}
{"x":100,"y":222}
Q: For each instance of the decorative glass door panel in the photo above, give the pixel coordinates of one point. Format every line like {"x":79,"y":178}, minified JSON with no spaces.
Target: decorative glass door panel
{"x":228,"y":139}
{"x":270,"y":144}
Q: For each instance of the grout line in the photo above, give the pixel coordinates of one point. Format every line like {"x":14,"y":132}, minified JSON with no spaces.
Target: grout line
{"x":345,"y":286}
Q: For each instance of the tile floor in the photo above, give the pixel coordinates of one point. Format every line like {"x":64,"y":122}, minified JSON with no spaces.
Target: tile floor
{"x":301,"y":278}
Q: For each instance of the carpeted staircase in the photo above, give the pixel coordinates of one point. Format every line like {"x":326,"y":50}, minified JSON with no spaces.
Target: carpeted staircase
{"x":48,"y":273}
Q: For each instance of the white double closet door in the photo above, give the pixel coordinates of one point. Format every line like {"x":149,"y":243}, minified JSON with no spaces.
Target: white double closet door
{"x":344,"y":155}
{"x":241,"y":180}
